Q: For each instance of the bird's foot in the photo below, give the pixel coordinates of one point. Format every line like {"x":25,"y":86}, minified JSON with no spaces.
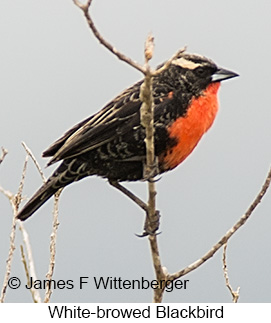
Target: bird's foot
{"x":151,"y":225}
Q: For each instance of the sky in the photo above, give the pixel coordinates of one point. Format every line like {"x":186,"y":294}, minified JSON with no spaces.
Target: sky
{"x":54,"y":73}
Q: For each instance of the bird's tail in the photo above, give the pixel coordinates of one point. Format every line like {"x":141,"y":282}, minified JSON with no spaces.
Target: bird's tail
{"x":37,"y":200}
{"x":68,"y":172}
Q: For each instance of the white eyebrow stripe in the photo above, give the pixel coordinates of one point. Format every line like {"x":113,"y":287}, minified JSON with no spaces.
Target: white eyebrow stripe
{"x":185,"y":63}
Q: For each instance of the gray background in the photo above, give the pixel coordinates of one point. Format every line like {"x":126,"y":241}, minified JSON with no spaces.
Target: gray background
{"x":53,"y":73}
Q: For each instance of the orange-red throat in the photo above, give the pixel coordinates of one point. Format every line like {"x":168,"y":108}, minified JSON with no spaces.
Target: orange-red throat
{"x":188,"y":130}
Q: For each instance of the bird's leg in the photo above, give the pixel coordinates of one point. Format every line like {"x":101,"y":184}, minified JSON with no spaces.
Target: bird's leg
{"x":150,"y":226}
{"x":128,"y":193}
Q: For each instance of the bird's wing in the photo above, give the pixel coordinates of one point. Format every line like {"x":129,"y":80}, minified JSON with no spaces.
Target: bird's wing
{"x":52,"y":150}
{"x":115,"y":119}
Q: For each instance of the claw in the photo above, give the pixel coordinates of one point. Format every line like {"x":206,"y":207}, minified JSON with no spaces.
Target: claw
{"x":145,"y":234}
{"x":142,"y":235}
{"x":151,"y":227}
{"x":152,"y":180}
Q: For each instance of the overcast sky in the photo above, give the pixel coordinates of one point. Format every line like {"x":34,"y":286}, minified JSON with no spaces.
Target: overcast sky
{"x":54,"y":73}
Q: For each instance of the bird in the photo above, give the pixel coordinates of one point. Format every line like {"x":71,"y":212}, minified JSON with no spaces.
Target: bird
{"x":111,"y":143}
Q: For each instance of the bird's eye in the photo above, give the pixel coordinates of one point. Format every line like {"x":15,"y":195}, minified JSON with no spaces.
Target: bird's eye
{"x":200,"y":71}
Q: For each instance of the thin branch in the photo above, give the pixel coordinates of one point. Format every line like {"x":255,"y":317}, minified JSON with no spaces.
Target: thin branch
{"x":30,"y":269}
{"x":4,"y":153}
{"x":85,"y":8}
{"x":147,"y":121}
{"x":7,"y":194}
{"x":29,"y":273}
{"x":25,"y":265}
{"x":9,"y":260}
{"x":15,"y":202}
{"x":30,"y":154}
{"x":235,"y":295}
{"x":167,"y":63}
{"x":229,"y":234}
{"x":31,"y":265}
{"x":18,"y":197}
{"x":49,"y":275}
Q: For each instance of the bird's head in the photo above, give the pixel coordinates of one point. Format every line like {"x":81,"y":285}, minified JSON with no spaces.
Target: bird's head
{"x":197,"y":71}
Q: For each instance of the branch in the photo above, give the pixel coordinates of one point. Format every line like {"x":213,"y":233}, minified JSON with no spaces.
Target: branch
{"x":229,"y":234}
{"x":4,"y":153}
{"x":235,"y":295}
{"x":29,"y":268}
{"x":147,"y":121}
{"x":15,"y":201}
{"x":9,"y":260}
{"x":49,"y":275}
{"x":30,"y":154}
{"x":85,"y":8}
{"x":167,"y":63}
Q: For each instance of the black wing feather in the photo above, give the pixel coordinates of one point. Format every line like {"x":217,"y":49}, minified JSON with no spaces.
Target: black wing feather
{"x":96,"y":130}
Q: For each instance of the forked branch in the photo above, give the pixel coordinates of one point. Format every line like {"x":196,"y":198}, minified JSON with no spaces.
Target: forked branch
{"x":28,"y":260}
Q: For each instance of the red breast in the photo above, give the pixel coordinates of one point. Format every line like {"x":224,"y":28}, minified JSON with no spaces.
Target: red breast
{"x":189,"y":129}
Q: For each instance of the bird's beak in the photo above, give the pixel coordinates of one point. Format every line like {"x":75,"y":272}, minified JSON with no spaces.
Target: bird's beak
{"x":221,"y":74}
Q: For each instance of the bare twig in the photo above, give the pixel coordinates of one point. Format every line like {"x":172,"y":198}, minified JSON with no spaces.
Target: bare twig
{"x":235,"y":295}
{"x":167,"y":63}
{"x":4,"y":153}
{"x":30,"y":154}
{"x":30,"y":271}
{"x":15,"y":201}
{"x":25,"y":265}
{"x":31,"y":265}
{"x":9,"y":260}
{"x":229,"y":234}
{"x":6,"y":193}
{"x":30,"y":268}
{"x":85,"y":8}
{"x":18,"y":197}
{"x":147,"y":120}
{"x":49,"y":275}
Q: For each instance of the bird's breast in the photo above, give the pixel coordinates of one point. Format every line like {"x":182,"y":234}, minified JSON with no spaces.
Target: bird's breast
{"x":188,"y":129}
